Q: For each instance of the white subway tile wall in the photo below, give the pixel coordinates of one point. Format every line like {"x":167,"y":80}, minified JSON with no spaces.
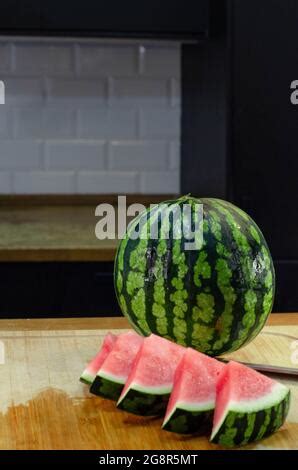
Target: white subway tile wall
{"x":89,"y":117}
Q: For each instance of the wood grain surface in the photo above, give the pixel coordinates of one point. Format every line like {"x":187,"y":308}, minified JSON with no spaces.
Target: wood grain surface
{"x":92,"y":323}
{"x":52,"y":233}
{"x":44,"y":406}
{"x":57,"y":227}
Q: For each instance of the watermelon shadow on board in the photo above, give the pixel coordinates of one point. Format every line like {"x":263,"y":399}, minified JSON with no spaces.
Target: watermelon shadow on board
{"x":249,"y":406}
{"x":150,"y":382}
{"x":114,"y":371}
{"x":192,"y":402}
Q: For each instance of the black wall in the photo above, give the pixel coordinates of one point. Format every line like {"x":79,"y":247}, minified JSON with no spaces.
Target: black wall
{"x":55,"y":289}
{"x":115,"y":18}
{"x":244,"y":145}
{"x":264,"y":173}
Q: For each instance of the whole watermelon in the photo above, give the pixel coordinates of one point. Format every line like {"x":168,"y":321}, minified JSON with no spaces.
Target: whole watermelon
{"x":214,"y":298}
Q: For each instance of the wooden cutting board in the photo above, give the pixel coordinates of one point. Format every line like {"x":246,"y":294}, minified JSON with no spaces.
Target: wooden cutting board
{"x":44,"y":406}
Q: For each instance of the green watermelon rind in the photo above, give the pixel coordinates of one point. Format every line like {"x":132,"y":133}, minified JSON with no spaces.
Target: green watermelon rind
{"x":107,"y":386}
{"x":253,"y":420}
{"x":86,"y":378}
{"x":144,"y":403}
{"x":184,"y":421}
{"x":189,"y":418}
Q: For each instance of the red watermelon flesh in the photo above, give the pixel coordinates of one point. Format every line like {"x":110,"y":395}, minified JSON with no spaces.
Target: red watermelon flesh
{"x":114,"y":371}
{"x":244,"y":394}
{"x":151,"y":378}
{"x":119,"y":362}
{"x":192,"y":400}
{"x":91,"y":370}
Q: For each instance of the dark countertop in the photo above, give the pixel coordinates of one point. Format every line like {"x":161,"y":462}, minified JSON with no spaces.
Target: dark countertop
{"x":57,"y":227}
{"x":52,"y":233}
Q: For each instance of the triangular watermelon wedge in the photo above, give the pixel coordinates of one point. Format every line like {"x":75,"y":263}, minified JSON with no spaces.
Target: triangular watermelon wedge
{"x":249,"y":406}
{"x":89,"y":373}
{"x":112,"y":375}
{"x":192,"y":400}
{"x":150,"y":382}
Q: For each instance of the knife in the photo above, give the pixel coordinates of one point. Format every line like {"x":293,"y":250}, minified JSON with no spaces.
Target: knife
{"x":268,"y":368}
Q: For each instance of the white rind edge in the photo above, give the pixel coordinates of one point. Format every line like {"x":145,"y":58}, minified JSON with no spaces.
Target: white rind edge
{"x":154,"y":390}
{"x":111,"y":377}
{"x":192,"y":407}
{"x":88,"y":376}
{"x":277,"y":394}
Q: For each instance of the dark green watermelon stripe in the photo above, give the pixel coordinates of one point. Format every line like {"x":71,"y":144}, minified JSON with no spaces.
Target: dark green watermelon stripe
{"x":170,"y":270}
{"x":235,"y":430}
{"x":157,"y":284}
{"x":269,"y":284}
{"x":118,"y":283}
{"x":209,"y":306}
{"x":118,"y":277}
{"x":150,"y":263}
{"x":106,"y":388}
{"x":142,"y":304}
{"x":261,"y":423}
{"x":189,"y":422}
{"x":240,"y":213}
{"x":228,"y":431}
{"x":220,"y":277}
{"x":178,"y":287}
{"x":241,"y":216}
{"x":243,"y":428}
{"x":189,"y":257}
{"x":268,"y":425}
{"x":157,"y":302}
{"x":223,"y":279}
{"x":135,"y":302}
{"x":265,"y":296}
{"x":249,"y":301}
{"x":119,"y":260}
{"x":179,"y":296}
{"x":144,"y":404}
{"x":272,"y":421}
{"x":213,"y":235}
{"x":243,"y":303}
{"x":226,"y":321}
{"x":251,"y":232}
{"x":253,"y":237}
{"x":118,"y":274}
{"x":258,"y":323}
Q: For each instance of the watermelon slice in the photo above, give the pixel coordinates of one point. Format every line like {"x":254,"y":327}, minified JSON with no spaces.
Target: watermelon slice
{"x":150,"y":382}
{"x":192,"y":400}
{"x":89,"y":373}
{"x":249,"y":406}
{"x":113,"y":373}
